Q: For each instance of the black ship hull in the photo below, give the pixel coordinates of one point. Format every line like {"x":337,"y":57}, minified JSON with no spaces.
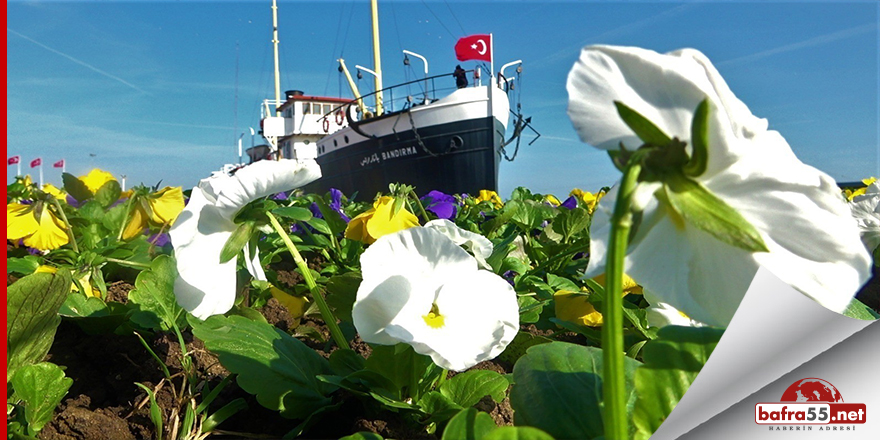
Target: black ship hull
{"x":453,"y":157}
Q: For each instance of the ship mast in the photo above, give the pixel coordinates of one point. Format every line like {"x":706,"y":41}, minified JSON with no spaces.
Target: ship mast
{"x":377,"y":63}
{"x":277,"y":64}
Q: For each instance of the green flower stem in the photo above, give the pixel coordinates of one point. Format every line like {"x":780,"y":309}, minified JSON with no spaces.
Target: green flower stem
{"x":419,"y":204}
{"x":128,"y":263}
{"x":125,"y":218}
{"x":326,"y":313}
{"x":67,"y":228}
{"x":613,"y":356}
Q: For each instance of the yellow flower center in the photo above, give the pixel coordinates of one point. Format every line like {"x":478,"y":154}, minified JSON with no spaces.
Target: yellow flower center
{"x":434,"y":319}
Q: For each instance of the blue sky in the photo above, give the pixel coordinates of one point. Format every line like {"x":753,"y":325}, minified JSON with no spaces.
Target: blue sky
{"x":162,"y":90}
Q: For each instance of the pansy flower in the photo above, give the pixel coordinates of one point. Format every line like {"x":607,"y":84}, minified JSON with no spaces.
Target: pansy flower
{"x":490,"y":196}
{"x":204,"y":285}
{"x":36,"y":225}
{"x":576,"y":308}
{"x":160,"y":209}
{"x":336,"y":203}
{"x":480,"y":247}
{"x":381,"y":219}
{"x":53,"y":191}
{"x":95,"y":179}
{"x":588,"y":199}
{"x":441,"y":204}
{"x":422,"y":289}
{"x":797,"y":211}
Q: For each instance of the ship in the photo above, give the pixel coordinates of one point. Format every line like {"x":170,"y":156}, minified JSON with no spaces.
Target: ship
{"x":450,"y":138}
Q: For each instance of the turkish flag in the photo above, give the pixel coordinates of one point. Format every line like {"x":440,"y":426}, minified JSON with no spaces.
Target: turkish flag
{"x":59,"y":164}
{"x":474,"y":47}
{"x":36,"y":162}
{"x":13,"y":160}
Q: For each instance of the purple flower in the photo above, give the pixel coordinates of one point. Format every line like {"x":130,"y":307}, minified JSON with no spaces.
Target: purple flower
{"x":72,"y":202}
{"x":280,"y":196}
{"x":336,"y":203}
{"x":316,"y":211}
{"x":159,"y":239}
{"x":442,"y":205}
{"x":569,"y":203}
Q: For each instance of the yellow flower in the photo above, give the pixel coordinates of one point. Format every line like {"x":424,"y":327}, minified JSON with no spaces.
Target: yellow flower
{"x":296,"y":305}
{"x":850,"y":194}
{"x":574,"y":306}
{"x":588,"y":199}
{"x":84,"y":280}
{"x":96,"y":179}
{"x":490,"y":196}
{"x":160,"y":208}
{"x":54,"y":191}
{"x":36,"y":224}
{"x":380,"y":220}
{"x":551,"y":199}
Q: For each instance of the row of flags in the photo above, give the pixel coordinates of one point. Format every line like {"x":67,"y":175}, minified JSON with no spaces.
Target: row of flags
{"x":34,"y":163}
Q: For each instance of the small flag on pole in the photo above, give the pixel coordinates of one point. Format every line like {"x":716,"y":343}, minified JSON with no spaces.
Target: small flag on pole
{"x":474,"y":47}
{"x":36,"y":162}
{"x":13,"y":160}
{"x":59,"y":164}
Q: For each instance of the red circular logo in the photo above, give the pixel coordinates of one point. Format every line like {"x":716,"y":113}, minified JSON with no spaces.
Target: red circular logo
{"x":811,"y":389}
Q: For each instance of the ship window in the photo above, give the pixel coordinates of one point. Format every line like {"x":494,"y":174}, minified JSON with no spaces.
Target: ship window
{"x":335,"y":144}
{"x":307,"y":142}
{"x":307,"y":108}
{"x":328,"y":108}
{"x":346,"y":139}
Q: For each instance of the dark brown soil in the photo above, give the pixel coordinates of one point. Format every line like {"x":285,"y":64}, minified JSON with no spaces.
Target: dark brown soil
{"x":118,"y":291}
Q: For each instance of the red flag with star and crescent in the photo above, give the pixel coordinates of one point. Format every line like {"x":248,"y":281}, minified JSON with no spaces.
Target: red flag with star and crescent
{"x":36,"y":162}
{"x":59,"y":164}
{"x":13,"y":160}
{"x":474,"y":47}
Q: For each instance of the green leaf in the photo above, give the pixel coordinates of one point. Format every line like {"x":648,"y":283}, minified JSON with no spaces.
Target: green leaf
{"x":41,"y":387}
{"x":469,"y":424}
{"x":466,"y":389}
{"x":228,"y":410}
{"x":672,"y":362}
{"x":529,"y":309}
{"x":438,"y":406}
{"x":558,"y":388}
{"x":341,"y":294}
{"x":363,"y":436}
{"x":570,"y":222}
{"x":704,"y":210}
{"x":522,"y":342}
{"x":154,"y":304}
{"x":32,"y":317}
{"x":93,"y":315}
{"x":280,"y":370}
{"x":696,"y":166}
{"x":643,"y":128}
{"x":334,"y":220}
{"x":108,"y":193}
{"x":529,"y":214}
{"x":398,"y":363}
{"x":243,"y":232}
{"x":25,"y":265}
{"x":518,"y":433}
{"x":293,"y":213}
{"x":155,"y":410}
{"x":345,"y":361}
{"x":858,"y":310}
{"x":320,"y":225}
{"x":76,"y":188}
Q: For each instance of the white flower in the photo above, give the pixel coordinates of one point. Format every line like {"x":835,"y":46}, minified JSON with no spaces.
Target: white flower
{"x":661,"y":314}
{"x":204,"y":286}
{"x":420,"y":288}
{"x":479,"y":246}
{"x":866,"y":210}
{"x":812,"y":239}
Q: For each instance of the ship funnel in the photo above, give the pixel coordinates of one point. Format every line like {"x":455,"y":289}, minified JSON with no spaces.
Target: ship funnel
{"x":292,"y":93}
